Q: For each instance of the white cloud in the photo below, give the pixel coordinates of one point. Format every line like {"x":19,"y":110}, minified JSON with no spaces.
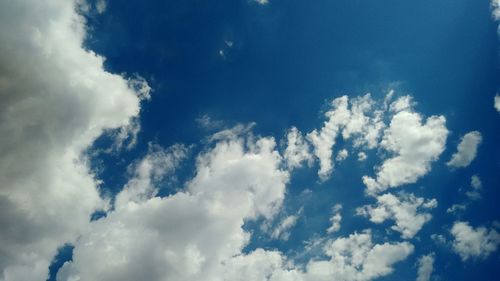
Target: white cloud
{"x":262,"y":2}
{"x":282,"y":231}
{"x":466,"y":150}
{"x":342,"y":155}
{"x":362,"y":156}
{"x":414,"y":145}
{"x":472,"y":242}
{"x":497,"y":97}
{"x":425,"y":267}
{"x":56,"y":99}
{"x":495,"y":14}
{"x":101,"y":6}
{"x":192,"y":234}
{"x":357,"y":258}
{"x":403,"y":103}
{"x":476,"y":185}
{"x":407,"y":211}
{"x":297,"y":150}
{"x":455,"y":208}
{"x":335,"y":219}
{"x":324,"y":140}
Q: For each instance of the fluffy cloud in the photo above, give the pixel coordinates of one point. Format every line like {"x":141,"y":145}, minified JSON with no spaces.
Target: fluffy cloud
{"x":56,"y":99}
{"x":414,"y":145}
{"x":324,"y":139}
{"x":466,"y":150}
{"x":475,"y":183}
{"x":358,"y":119}
{"x":297,"y":150}
{"x":495,"y":13}
{"x":407,"y":211}
{"x":357,"y":258}
{"x":497,"y":97}
{"x":425,"y":267}
{"x":189,"y":235}
{"x":472,"y":242}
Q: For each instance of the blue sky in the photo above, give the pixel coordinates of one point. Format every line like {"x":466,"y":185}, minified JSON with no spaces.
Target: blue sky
{"x":249,"y":140}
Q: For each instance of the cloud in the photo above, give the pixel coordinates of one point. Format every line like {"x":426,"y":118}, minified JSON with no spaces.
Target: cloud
{"x":495,"y":13}
{"x":476,"y":185}
{"x":56,"y":99}
{"x":466,"y":150}
{"x":357,"y":258}
{"x":282,"y":231}
{"x":414,"y":145}
{"x":335,"y":219}
{"x":342,"y":155}
{"x":407,"y":211}
{"x":362,"y":156}
{"x":297,"y":150}
{"x":425,"y":267}
{"x":191,"y":234}
{"x":324,"y":139}
{"x":497,"y":97}
{"x":472,"y":242}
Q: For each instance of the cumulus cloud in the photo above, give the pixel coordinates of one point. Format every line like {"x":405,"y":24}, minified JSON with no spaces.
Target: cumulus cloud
{"x":189,"y":235}
{"x":407,"y":211}
{"x":425,"y":267}
{"x":297,"y":150}
{"x":466,"y":150}
{"x":470,"y":242}
{"x":358,"y":119}
{"x":497,"y":97}
{"x":56,"y":99}
{"x":414,"y":145}
{"x":362,"y":156}
{"x":342,"y":155}
{"x":495,"y":14}
{"x":324,"y":139}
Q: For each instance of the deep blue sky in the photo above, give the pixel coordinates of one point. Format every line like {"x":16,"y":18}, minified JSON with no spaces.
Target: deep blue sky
{"x":287,"y":60}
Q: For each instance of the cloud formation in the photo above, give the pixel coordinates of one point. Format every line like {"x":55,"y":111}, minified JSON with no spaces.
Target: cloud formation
{"x":425,"y":267}
{"x":470,"y":242}
{"x":56,"y":99}
{"x":466,"y":150}
{"x":407,"y":211}
{"x":414,"y":145}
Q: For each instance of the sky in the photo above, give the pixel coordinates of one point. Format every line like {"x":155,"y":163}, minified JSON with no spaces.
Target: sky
{"x":252,"y":140}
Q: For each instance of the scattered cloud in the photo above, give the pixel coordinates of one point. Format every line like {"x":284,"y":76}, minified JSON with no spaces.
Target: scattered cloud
{"x":57,"y":98}
{"x":335,"y":219}
{"x":342,"y":155}
{"x":407,"y":211}
{"x":362,"y":156}
{"x":475,"y":193}
{"x":470,"y":242}
{"x":497,"y":97}
{"x":466,"y":150}
{"x":191,"y":234}
{"x":262,"y":2}
{"x":324,"y":139}
{"x":357,"y":258}
{"x":414,"y":145}
{"x":297,"y":150}
{"x":425,"y":267}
